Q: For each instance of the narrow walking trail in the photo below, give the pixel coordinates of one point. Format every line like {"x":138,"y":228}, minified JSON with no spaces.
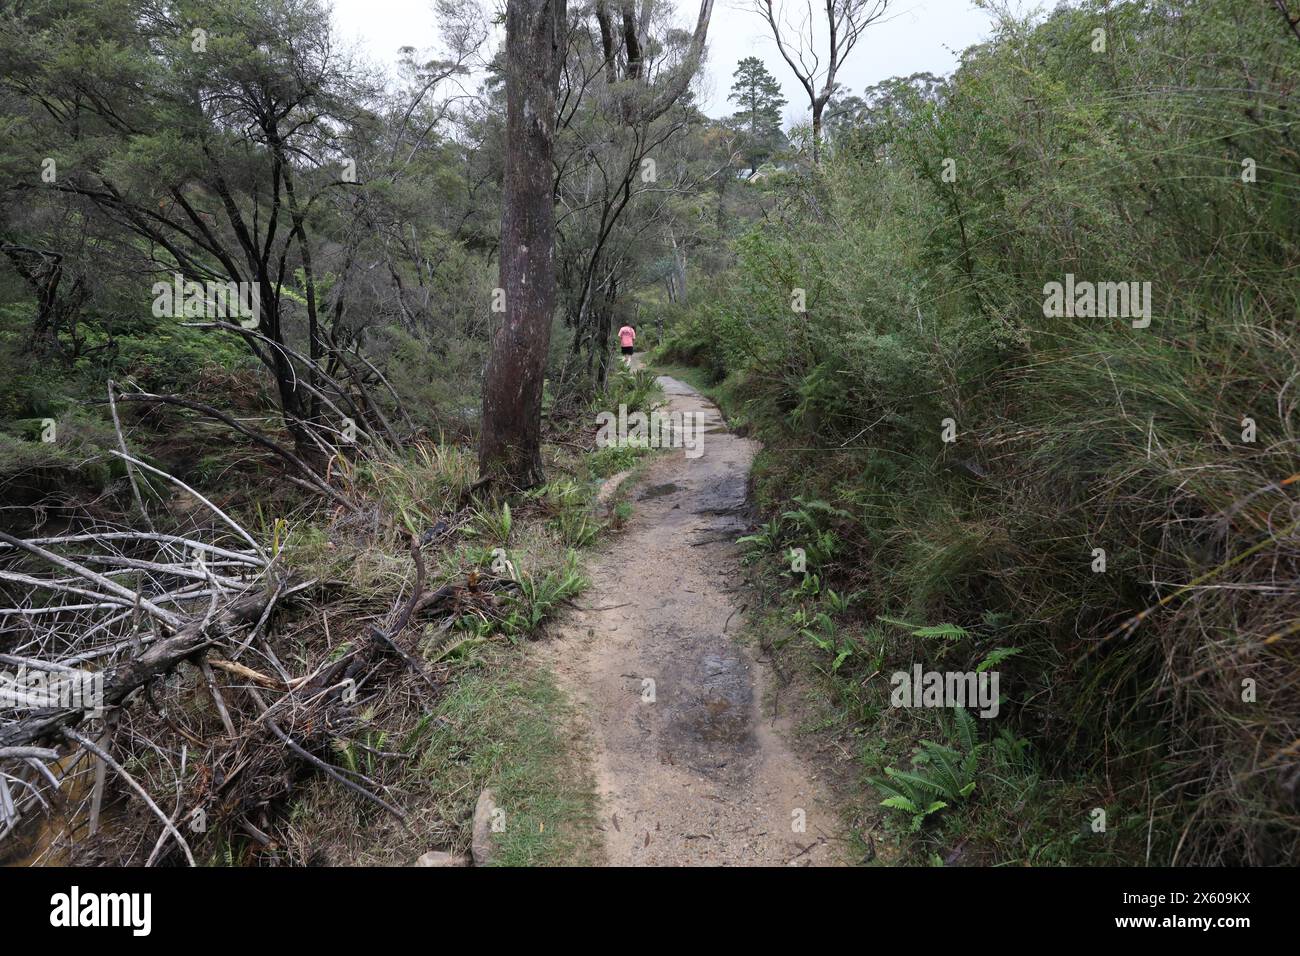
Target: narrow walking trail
{"x":703,"y":774}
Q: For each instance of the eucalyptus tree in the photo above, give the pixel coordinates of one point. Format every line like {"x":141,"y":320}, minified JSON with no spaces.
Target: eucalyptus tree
{"x":602,"y":91}
{"x":510,"y":444}
{"x":816,"y":45}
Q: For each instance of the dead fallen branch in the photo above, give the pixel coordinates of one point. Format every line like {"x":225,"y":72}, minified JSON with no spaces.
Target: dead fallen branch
{"x":267,"y":721}
{"x":122,"y":681}
{"x":105,"y":756}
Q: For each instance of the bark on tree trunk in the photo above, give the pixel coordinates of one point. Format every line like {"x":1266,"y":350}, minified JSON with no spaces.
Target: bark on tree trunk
{"x":510,"y":444}
{"x":817,"y":133}
{"x":679,"y":265}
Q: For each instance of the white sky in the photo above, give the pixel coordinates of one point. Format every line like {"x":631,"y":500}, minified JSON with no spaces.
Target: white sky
{"x":917,"y":35}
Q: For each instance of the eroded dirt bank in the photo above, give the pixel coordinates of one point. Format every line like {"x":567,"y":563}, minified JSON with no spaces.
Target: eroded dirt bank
{"x":702,"y":774}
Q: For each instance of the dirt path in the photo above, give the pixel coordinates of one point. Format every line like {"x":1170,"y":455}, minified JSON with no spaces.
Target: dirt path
{"x":702,"y":775}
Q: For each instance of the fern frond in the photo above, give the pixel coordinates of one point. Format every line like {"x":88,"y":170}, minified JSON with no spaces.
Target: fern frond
{"x":900,"y":802}
{"x":951,"y":632}
{"x":890,"y":790}
{"x":967,"y":735}
{"x":916,"y":780}
{"x":996,"y":656}
{"x":944,"y":772}
{"x":896,"y":621}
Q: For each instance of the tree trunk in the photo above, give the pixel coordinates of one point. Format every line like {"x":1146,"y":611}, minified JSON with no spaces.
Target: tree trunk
{"x":510,"y":445}
{"x":679,"y":266}
{"x":817,"y":132}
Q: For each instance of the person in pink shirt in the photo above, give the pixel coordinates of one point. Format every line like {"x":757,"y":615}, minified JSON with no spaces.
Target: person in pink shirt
{"x":627,"y":338}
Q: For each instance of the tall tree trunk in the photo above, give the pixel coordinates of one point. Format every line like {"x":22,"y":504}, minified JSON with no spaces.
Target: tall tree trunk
{"x":817,"y":132}
{"x":510,"y":445}
{"x":679,"y":265}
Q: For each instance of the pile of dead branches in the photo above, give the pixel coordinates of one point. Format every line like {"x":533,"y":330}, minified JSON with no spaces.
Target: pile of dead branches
{"x":143,"y":665}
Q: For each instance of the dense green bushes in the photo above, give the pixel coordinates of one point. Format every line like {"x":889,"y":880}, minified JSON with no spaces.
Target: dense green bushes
{"x":925,"y":302}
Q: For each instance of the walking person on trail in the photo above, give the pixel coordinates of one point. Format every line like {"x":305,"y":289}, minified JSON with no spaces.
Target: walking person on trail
{"x":627,"y":338}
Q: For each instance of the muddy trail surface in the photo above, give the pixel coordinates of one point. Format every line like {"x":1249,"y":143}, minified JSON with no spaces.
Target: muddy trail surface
{"x":693,"y":768}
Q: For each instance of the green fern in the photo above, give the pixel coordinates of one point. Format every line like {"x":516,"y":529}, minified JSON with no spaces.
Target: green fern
{"x":966,"y":733}
{"x":917,"y":783}
{"x":765,"y":540}
{"x":951,"y":632}
{"x":906,"y":793}
{"x":996,"y":656}
{"x":940,"y":776}
{"x":952,"y":775}
{"x":1012,"y":755}
{"x":811,"y":513}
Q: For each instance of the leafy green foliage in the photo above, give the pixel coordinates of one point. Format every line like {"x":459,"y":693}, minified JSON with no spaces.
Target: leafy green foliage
{"x":924,"y":301}
{"x":493,"y":525}
{"x":941,"y":775}
{"x":951,"y":632}
{"x":538,"y":599}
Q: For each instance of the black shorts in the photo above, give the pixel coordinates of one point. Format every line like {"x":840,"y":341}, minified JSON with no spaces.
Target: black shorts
{"x":627,"y":350}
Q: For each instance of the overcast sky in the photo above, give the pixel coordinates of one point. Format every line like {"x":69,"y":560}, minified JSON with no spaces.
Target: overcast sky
{"x":917,"y":35}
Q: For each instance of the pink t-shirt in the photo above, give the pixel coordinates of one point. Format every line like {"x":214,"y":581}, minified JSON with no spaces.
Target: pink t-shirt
{"x":626,"y":336}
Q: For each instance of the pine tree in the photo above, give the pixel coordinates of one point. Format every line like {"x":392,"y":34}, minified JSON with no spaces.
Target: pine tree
{"x":758,"y":96}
